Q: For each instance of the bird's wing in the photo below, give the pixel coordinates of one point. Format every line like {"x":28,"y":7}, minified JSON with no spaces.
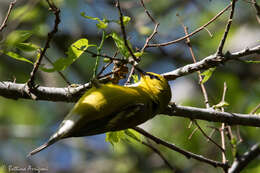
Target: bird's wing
{"x":128,"y":116}
{"x":104,"y":101}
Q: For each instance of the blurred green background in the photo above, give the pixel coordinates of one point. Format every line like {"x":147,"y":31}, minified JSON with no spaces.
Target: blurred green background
{"x":25,"y":124}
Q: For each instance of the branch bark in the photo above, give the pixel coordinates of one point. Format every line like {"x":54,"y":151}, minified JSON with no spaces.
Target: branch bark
{"x":241,"y":162}
{"x":213,"y":115}
{"x":69,"y":94}
{"x":209,"y":62}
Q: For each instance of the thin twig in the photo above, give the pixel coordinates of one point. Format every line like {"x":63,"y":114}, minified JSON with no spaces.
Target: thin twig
{"x":255,"y":109}
{"x":238,"y":135}
{"x":56,"y":12}
{"x":222,"y":134}
{"x":104,"y":67}
{"x":60,"y":73}
{"x":223,"y":150}
{"x":106,"y":56}
{"x":257,"y":8}
{"x":222,"y":42}
{"x":150,"y":37}
{"x":192,"y":33}
{"x":192,"y":133}
{"x":205,"y":95}
{"x":179,"y":150}
{"x":203,"y":89}
{"x":11,"y":6}
{"x":211,"y":134}
{"x":128,"y":81}
{"x":155,"y":27}
{"x":158,"y":152}
{"x":124,"y":32}
{"x":208,"y":32}
{"x":148,"y":13}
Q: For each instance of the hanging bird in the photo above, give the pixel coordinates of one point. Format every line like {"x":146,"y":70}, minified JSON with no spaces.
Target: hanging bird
{"x":111,"y":107}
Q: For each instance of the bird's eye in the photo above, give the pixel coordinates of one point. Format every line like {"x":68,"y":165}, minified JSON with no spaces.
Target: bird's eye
{"x":153,"y":76}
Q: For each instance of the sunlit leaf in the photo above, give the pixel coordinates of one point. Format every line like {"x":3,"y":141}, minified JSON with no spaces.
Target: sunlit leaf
{"x":27,"y":47}
{"x":138,"y":54}
{"x":17,"y":37}
{"x":221,"y":105}
{"x":122,"y":135}
{"x":16,"y":56}
{"x":251,"y":61}
{"x":120,"y":44}
{"x":21,"y":13}
{"x":135,"y":78}
{"x":133,"y":134}
{"x":106,"y":60}
{"x":126,"y":19}
{"x":74,"y":52}
{"x":207,"y":74}
{"x":115,"y":137}
{"x":102,"y":24}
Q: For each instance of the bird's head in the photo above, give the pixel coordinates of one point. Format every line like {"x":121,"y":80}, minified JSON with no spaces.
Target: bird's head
{"x":158,"y":86}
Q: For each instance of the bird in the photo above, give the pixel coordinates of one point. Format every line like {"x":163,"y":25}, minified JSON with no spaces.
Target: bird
{"x":111,"y":107}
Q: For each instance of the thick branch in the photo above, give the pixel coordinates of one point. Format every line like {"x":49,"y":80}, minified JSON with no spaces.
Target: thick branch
{"x":16,"y":91}
{"x":213,"y":115}
{"x":209,"y":62}
{"x":241,"y":162}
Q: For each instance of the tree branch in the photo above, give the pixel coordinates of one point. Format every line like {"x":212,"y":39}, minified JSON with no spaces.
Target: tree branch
{"x":223,"y":40}
{"x":192,"y":33}
{"x":15,"y":91}
{"x":11,"y":6}
{"x":179,"y":150}
{"x":209,"y":62}
{"x":56,"y":12}
{"x":241,"y":162}
{"x":213,"y":115}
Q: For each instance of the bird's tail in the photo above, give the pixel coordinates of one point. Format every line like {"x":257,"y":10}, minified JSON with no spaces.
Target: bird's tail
{"x":51,"y":141}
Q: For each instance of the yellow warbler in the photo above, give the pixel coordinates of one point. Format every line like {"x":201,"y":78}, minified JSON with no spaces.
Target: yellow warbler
{"x":110,"y":107}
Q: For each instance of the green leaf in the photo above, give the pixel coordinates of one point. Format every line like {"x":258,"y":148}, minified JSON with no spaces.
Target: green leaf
{"x":27,"y":47}
{"x":115,"y":137}
{"x":106,"y":60}
{"x":135,"y":78}
{"x":122,"y":135}
{"x":133,"y":134}
{"x":17,"y":37}
{"x":220,"y":105}
{"x":207,"y":74}
{"x":17,"y":57}
{"x":21,"y":13}
{"x":126,"y":19}
{"x":251,"y":61}
{"x":138,"y":54}
{"x":74,"y":52}
{"x":120,"y":44}
{"x":102,"y":24}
